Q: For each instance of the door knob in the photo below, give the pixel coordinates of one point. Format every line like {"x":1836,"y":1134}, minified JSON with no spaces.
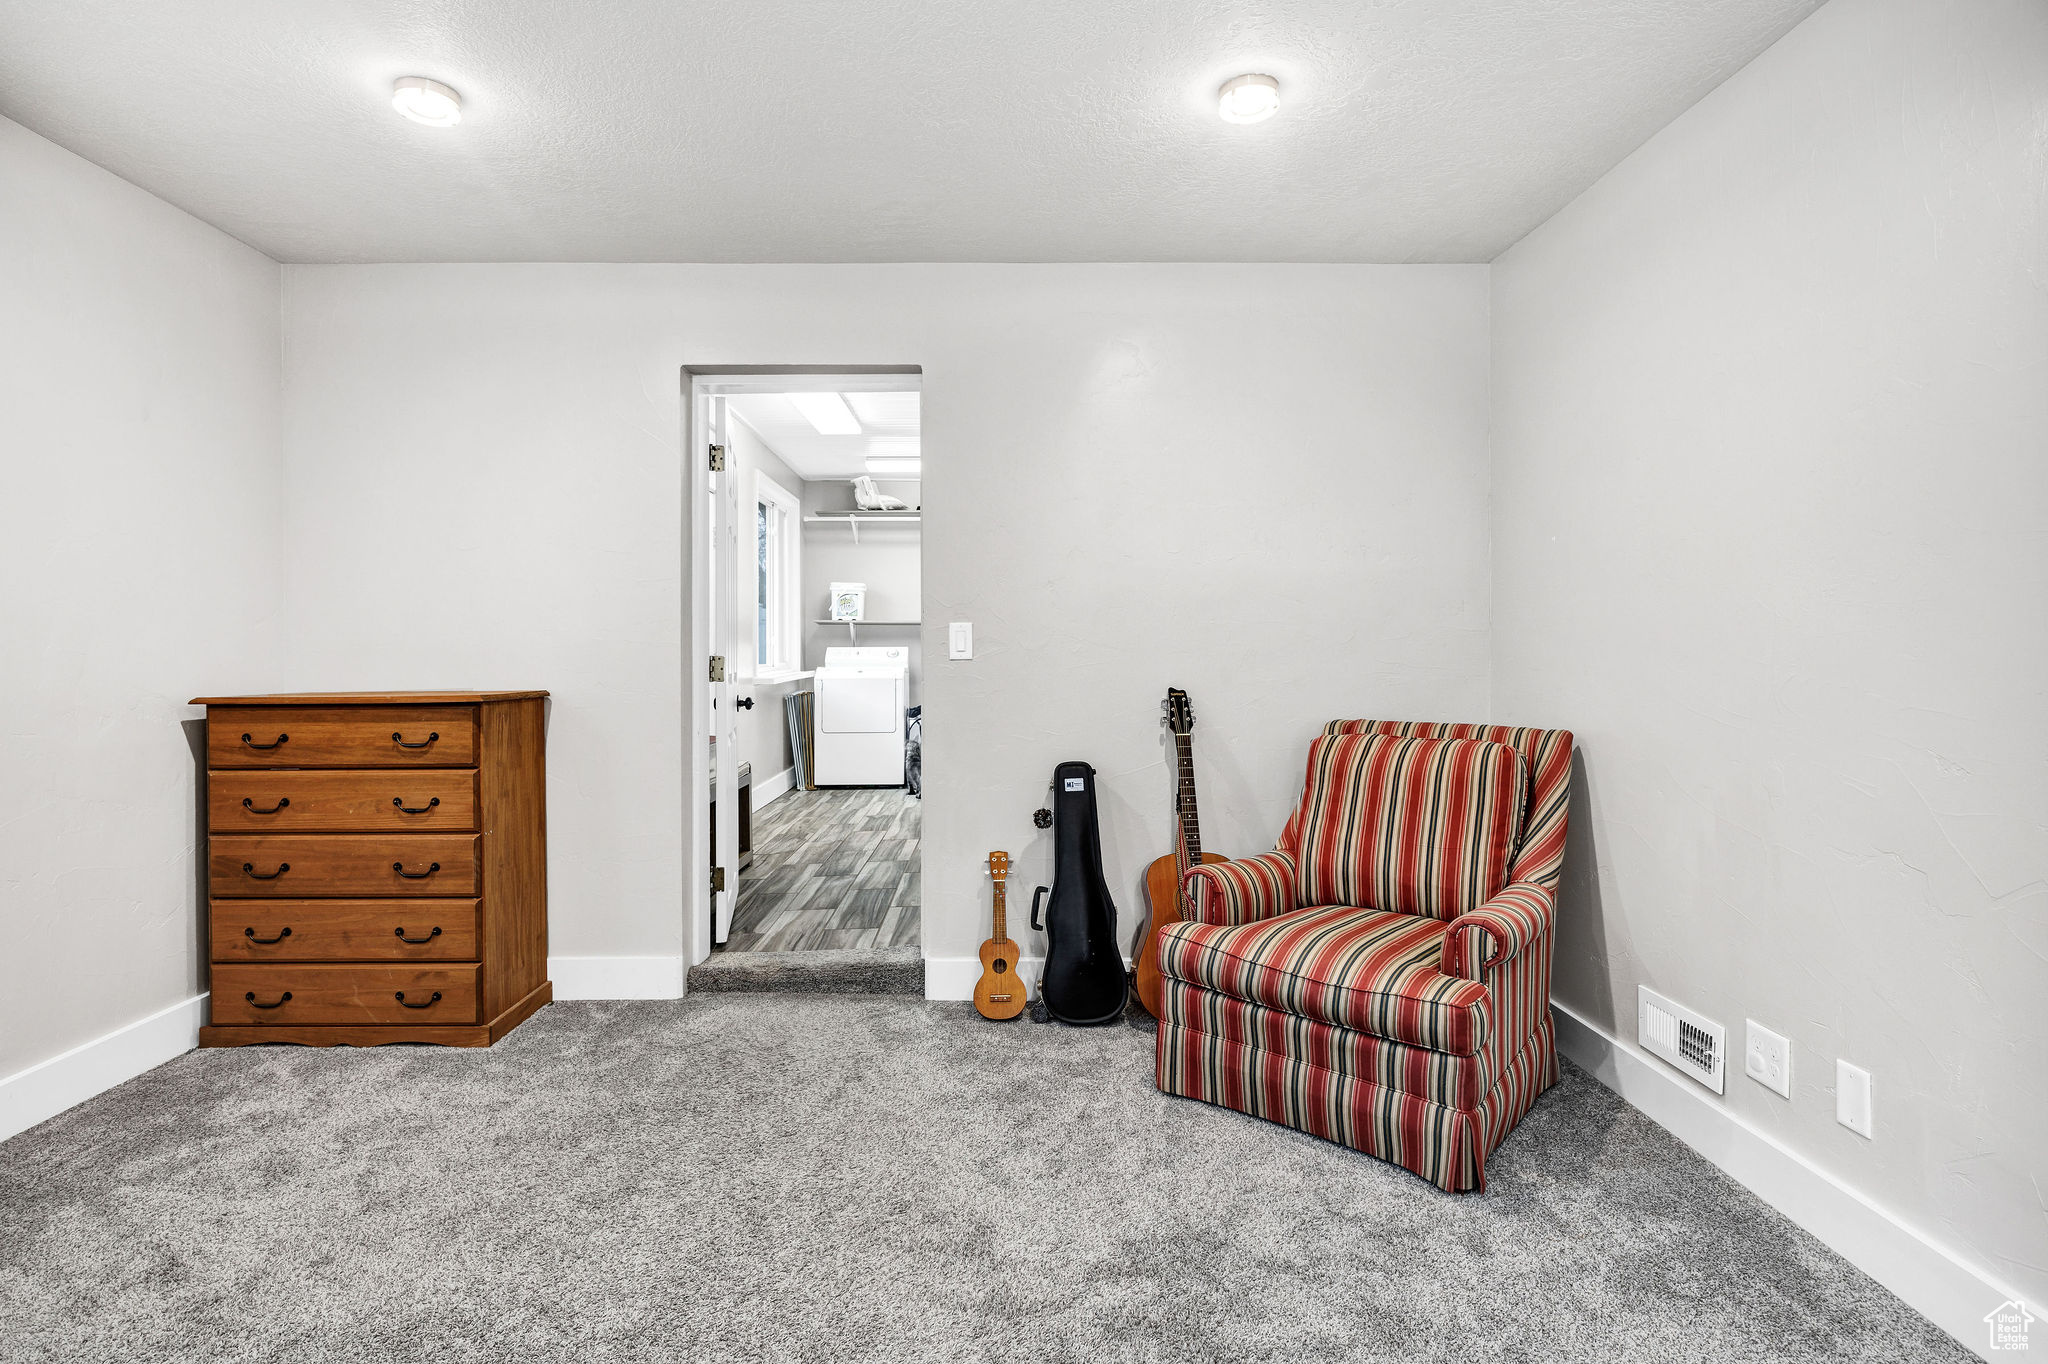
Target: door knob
{"x":744,"y":703}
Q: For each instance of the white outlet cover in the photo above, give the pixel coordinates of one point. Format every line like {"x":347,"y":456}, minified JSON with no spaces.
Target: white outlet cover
{"x":1852,"y":1098}
{"x":1767,"y":1058}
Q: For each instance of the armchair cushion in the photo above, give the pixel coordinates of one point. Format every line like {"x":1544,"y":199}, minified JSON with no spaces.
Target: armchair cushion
{"x":1409,"y":825}
{"x":1357,"y":968}
{"x":1241,"y":891}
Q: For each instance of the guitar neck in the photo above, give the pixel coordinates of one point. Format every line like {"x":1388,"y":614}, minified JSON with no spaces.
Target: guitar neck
{"x":1002,"y":927}
{"x":1189,"y":844}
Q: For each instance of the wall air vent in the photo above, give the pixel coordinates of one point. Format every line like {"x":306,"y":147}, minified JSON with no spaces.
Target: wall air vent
{"x":1671,"y":1032}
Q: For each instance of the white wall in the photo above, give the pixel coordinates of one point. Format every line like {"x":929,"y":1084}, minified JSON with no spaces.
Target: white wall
{"x":1264,"y":484}
{"x":888,"y":558}
{"x":1769,"y":515}
{"x":139,"y":549}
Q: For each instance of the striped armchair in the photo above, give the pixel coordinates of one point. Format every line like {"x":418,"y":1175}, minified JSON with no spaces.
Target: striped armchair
{"x":1382,"y":978}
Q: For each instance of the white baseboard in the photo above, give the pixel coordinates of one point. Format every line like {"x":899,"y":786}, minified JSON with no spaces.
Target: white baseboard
{"x":1927,"y":1276}
{"x":781,"y":784}
{"x":49,"y":1087}
{"x":617,"y":977}
{"x":954,"y":977}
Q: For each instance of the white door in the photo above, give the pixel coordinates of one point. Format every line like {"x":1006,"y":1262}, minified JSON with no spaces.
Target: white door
{"x":725,"y":761}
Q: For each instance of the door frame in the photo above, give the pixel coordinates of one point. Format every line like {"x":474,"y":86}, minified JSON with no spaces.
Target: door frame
{"x":699,"y":382}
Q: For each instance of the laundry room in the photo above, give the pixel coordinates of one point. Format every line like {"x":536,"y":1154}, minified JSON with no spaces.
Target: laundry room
{"x":826,"y":479}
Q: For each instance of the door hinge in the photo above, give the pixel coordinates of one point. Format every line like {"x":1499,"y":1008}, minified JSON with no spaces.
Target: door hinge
{"x":718,"y":667}
{"x":718,"y":880}
{"x":718,"y":459}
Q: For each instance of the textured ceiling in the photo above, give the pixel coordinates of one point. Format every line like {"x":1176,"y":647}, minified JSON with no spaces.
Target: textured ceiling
{"x":870,"y":130}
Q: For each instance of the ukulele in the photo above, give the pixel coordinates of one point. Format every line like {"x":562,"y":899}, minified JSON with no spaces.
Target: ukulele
{"x":999,"y":994}
{"x":1163,"y":878}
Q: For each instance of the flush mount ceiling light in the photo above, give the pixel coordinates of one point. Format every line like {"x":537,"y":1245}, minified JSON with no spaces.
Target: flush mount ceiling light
{"x":425,"y":101}
{"x":1248,"y":99}
{"x":827,"y":412}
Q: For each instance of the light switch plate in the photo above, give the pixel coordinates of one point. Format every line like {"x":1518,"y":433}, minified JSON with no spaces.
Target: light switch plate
{"x":960,"y":639}
{"x":1852,"y":1098}
{"x":1767,"y":1058}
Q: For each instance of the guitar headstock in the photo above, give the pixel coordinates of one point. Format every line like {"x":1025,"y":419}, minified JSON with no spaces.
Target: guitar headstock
{"x":999,"y":866}
{"x":1180,"y":716}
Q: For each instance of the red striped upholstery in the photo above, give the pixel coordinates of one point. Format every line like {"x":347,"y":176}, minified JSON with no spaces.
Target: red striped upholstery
{"x":1456,"y":1081}
{"x":1548,"y":752}
{"x":1357,"y":968}
{"x":1419,"y":1037}
{"x":1445,"y":1142}
{"x":1436,"y":1141}
{"x":1243,"y":890}
{"x":1496,"y":931}
{"x":1409,"y":824}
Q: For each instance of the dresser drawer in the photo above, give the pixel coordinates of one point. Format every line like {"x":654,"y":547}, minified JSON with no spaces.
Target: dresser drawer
{"x":270,"y":866}
{"x":341,"y":736}
{"x":341,"y":802}
{"x":282,"y":995}
{"x":245,"y":931}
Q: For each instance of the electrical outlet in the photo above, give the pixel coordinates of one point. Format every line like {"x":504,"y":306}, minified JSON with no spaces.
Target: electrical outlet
{"x":1768,"y":1058}
{"x":1852,"y":1098}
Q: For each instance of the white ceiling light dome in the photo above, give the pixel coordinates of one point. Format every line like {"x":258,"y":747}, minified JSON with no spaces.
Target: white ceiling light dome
{"x":1248,"y":99}
{"x":426,"y":101}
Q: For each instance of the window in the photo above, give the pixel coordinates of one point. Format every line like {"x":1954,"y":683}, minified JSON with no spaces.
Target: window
{"x":778,"y":594}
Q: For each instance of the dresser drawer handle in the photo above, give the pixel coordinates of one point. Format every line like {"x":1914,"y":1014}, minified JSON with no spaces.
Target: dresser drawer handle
{"x":402,"y":938}
{"x":399,"y":867}
{"x":405,"y":809}
{"x":250,"y":868}
{"x":403,"y":744}
{"x":282,"y":1000}
{"x":282,"y":934}
{"x":250,"y":805}
{"x":401,"y":1000}
{"x":253,"y":744}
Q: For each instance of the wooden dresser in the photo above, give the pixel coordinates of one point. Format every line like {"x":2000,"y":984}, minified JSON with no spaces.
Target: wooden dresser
{"x":377,"y":867}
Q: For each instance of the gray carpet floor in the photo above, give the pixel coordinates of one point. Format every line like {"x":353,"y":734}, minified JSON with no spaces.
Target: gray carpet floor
{"x":830,"y":1178}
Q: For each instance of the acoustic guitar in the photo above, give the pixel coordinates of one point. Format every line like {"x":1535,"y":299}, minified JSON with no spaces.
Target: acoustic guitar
{"x":1163,"y":878}
{"x":999,"y":994}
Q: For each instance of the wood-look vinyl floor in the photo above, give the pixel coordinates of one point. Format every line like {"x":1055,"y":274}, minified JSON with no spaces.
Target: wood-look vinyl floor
{"x":831,"y":869}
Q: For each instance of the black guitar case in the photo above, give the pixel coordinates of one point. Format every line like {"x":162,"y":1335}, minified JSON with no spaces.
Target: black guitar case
{"x":1084,"y":973}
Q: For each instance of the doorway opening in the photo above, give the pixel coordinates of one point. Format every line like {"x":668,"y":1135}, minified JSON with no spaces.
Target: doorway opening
{"x":807,"y":589}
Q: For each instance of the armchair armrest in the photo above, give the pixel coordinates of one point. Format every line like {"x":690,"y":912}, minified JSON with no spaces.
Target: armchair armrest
{"x":1242,"y":891}
{"x":1501,"y":928}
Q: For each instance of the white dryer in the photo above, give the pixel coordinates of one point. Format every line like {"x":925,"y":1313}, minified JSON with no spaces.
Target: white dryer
{"x":857,"y":722}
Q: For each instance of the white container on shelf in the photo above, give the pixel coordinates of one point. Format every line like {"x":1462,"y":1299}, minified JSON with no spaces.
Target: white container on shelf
{"x":849,"y":601}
